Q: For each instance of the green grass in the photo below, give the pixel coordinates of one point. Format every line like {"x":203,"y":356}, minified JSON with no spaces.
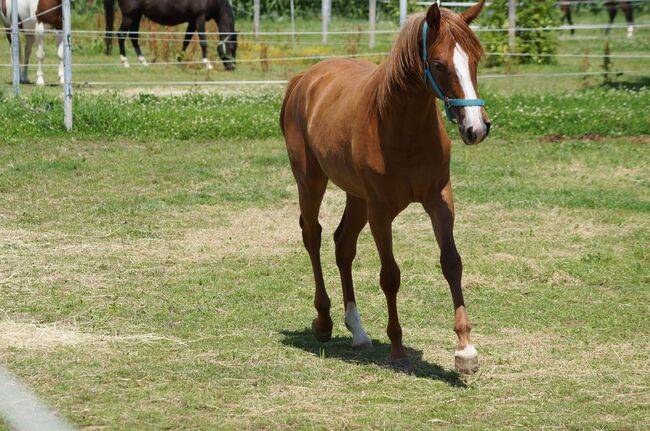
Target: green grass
{"x":152,"y":275}
{"x":596,"y":111}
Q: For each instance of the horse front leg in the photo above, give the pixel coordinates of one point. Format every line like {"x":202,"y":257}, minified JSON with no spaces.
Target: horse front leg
{"x":381,"y":218}
{"x":441,"y":210}
{"x":40,"y":53}
{"x":121,"y":38}
{"x":59,"y":52}
{"x":200,"y":27}
{"x":189,"y":33}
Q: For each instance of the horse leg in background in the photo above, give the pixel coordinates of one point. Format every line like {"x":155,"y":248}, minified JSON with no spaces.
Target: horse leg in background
{"x":612,"y":9}
{"x":381,"y":220}
{"x":59,"y":53}
{"x":109,"y":15}
{"x":441,"y":211}
{"x":200,"y":27}
{"x":40,"y":53}
{"x":566,"y":9}
{"x":628,"y":10}
{"x":121,"y":38}
{"x":189,"y":33}
{"x":29,"y":43}
{"x":134,"y":35}
{"x":354,"y":219}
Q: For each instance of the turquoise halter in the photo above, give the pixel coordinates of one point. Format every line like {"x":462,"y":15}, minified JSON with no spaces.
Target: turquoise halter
{"x":448,"y":102}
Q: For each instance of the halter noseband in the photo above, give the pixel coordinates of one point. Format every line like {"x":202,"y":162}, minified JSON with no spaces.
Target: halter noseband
{"x":427,"y":73}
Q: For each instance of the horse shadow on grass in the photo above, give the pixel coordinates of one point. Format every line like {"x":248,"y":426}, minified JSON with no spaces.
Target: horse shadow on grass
{"x":340,"y":347}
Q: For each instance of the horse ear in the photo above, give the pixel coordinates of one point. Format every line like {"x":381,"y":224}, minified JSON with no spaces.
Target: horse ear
{"x":433,"y":18}
{"x":470,"y":14}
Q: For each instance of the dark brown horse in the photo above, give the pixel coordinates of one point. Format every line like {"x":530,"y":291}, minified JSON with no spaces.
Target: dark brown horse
{"x":378,"y":134}
{"x":612,"y":9}
{"x":173,"y":12}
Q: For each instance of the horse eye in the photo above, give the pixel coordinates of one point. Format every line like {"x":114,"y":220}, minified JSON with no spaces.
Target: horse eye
{"x":438,"y":65}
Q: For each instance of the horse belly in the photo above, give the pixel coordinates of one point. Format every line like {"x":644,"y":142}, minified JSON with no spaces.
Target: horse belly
{"x":167,"y":12}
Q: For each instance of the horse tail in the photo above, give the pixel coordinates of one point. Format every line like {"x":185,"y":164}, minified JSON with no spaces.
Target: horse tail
{"x":109,"y":14}
{"x":290,"y":87}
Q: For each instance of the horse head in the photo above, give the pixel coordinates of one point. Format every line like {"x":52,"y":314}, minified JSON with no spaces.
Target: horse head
{"x":451,"y":53}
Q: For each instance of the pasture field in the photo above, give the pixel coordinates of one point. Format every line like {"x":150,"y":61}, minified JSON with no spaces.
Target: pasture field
{"x":152,"y":274}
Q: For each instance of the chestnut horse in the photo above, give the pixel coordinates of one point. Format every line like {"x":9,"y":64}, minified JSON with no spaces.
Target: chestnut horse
{"x":34,"y":16}
{"x":378,"y":134}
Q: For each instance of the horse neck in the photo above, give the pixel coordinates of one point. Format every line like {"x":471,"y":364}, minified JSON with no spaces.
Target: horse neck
{"x":224,"y":17}
{"x":410,"y":109}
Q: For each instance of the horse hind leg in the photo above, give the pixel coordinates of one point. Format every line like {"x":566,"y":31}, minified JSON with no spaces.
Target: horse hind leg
{"x":134,"y":35}
{"x":121,"y":38}
{"x":354,"y":219}
{"x":29,"y":43}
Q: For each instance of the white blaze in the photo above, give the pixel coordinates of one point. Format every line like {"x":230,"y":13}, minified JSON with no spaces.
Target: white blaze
{"x":472,"y":113}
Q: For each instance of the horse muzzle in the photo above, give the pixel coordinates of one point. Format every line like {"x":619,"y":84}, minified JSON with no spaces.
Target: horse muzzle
{"x":474,"y":126}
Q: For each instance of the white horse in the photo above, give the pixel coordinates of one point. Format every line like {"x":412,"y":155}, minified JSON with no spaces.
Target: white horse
{"x":34,"y":30}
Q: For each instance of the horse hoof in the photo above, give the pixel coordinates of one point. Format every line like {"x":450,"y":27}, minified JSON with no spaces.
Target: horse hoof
{"x":40,"y":82}
{"x":322,"y":335}
{"x":362,"y":345}
{"x":466,"y":360}
{"x":143,"y":60}
{"x":401,"y":364}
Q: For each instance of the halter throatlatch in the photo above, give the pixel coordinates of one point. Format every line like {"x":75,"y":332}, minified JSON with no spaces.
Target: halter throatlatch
{"x":427,"y":73}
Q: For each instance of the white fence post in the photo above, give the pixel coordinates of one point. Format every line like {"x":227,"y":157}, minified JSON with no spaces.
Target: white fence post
{"x":293,"y":21}
{"x":67,"y":66}
{"x":372,"y":20}
{"x":325,"y":12}
{"x":256,"y":17}
{"x":512,"y":22}
{"x":402,"y":12}
{"x":15,"y":46}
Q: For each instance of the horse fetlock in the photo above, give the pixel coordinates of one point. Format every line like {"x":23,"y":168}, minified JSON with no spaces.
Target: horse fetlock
{"x":124,"y":61}
{"x":143,"y":60}
{"x":360,"y":339}
{"x":322,"y":328}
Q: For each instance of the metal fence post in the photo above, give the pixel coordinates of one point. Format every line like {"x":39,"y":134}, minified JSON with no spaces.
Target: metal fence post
{"x":402,"y":12}
{"x":15,"y":47}
{"x":372,"y":20}
{"x":512,"y":22}
{"x":293,"y":21}
{"x":325,"y":13}
{"x":256,"y":17}
{"x":67,"y":66}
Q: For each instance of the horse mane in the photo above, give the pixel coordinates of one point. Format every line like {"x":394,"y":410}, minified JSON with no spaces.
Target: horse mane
{"x":404,"y":64}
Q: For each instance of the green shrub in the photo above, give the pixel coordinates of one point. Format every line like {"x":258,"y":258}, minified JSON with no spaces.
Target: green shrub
{"x":530,"y":14}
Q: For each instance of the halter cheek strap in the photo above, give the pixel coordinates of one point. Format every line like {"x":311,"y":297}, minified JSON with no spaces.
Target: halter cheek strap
{"x":427,"y":73}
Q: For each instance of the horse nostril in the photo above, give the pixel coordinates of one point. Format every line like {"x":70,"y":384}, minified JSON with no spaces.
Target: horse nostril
{"x":487,"y":127}
{"x":470,"y":134}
